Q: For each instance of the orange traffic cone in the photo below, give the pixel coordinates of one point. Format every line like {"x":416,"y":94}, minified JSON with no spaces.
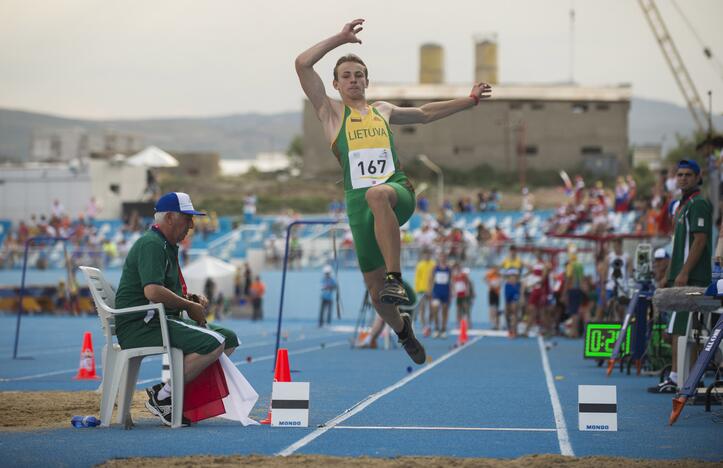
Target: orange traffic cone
{"x":360,"y":339}
{"x":462,"y":332}
{"x":611,"y":365}
{"x":678,"y":404}
{"x":282,"y":373}
{"x":86,"y":369}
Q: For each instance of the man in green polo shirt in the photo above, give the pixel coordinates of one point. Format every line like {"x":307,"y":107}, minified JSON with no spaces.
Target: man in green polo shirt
{"x":690,"y":263}
{"x":151,"y":274}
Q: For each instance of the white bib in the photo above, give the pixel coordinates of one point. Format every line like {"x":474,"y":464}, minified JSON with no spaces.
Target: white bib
{"x":370,"y":166}
{"x":441,"y":277}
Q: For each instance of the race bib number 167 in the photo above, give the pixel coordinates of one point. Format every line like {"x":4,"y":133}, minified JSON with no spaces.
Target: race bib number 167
{"x":370,"y":166}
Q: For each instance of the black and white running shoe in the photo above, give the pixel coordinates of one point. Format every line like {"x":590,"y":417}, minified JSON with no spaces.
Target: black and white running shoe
{"x":393,"y":292}
{"x":162,"y":408}
{"x":666,"y":386}
{"x":411,"y":344}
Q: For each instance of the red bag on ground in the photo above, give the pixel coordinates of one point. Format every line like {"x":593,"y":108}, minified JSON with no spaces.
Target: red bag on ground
{"x":203,"y":396}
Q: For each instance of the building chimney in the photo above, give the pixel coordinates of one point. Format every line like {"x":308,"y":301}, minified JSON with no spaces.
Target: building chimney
{"x":431,"y":64}
{"x":485,"y":63}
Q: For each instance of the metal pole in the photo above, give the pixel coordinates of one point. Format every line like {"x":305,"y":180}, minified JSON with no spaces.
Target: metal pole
{"x":710,"y":114}
{"x":283,"y":276}
{"x":572,"y":44}
{"x":521,"y":154}
{"x":441,"y":188}
{"x":22,"y":284}
{"x":22,"y":296}
{"x":440,"y":176}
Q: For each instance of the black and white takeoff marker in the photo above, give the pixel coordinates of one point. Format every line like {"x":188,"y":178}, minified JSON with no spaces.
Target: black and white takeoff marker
{"x":597,"y":407}
{"x":290,"y":404}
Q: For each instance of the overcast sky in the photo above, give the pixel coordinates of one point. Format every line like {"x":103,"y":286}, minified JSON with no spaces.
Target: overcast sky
{"x":153,"y":58}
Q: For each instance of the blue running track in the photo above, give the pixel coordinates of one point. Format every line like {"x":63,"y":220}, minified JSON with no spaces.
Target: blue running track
{"x":493,"y":397}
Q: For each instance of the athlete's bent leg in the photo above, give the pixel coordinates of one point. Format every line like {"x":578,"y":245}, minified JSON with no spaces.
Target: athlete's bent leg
{"x":375,"y":282}
{"x":381,"y":200}
{"x":400,"y":323}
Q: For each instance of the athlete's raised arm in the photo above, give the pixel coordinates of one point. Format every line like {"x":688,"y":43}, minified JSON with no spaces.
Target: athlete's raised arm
{"x":434,"y":110}
{"x":327,"y":109}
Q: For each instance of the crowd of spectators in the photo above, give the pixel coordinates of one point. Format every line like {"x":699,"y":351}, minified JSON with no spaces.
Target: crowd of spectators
{"x":597,"y":210}
{"x":90,"y":241}
{"x":484,"y":201}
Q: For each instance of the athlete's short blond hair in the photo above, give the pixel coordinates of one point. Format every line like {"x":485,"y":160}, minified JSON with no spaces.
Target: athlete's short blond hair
{"x":350,"y":58}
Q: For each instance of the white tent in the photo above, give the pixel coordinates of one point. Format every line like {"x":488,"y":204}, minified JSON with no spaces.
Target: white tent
{"x":222,"y":273}
{"x":152,"y":157}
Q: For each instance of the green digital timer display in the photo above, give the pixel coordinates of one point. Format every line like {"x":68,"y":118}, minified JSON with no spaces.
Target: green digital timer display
{"x":600,"y":340}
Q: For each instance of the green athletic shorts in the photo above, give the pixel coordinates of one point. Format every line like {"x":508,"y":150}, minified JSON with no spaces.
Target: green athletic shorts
{"x":361,"y":222}
{"x":184,"y":334}
{"x":678,"y":324}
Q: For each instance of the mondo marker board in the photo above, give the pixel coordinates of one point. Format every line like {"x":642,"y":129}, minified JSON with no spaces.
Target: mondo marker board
{"x":290,"y":404}
{"x":597,"y":408}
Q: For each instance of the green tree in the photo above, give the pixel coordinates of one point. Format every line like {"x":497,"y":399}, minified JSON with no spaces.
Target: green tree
{"x":685,"y":148}
{"x":296,"y":147}
{"x":645,"y":180}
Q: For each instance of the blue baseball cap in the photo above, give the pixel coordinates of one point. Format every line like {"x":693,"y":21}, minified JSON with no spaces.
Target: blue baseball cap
{"x":689,"y":164}
{"x":177,"y":202}
{"x":692,"y":165}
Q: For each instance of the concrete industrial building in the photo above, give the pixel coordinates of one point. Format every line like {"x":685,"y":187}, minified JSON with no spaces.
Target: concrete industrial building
{"x":31,"y":188}
{"x":68,"y":144}
{"x":522,"y":126}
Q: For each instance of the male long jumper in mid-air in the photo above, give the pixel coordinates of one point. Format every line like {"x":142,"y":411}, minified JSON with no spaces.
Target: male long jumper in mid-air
{"x":379,"y":197}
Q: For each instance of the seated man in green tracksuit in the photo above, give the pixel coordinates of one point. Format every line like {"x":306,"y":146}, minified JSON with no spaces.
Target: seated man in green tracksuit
{"x":151,"y":274}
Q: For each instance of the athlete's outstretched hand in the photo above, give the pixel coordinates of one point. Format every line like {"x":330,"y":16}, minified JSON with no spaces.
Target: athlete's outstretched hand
{"x":351,"y":29}
{"x":481,"y":90}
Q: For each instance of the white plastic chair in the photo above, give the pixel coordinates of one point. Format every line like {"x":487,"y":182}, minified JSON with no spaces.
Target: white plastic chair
{"x":120,"y":366}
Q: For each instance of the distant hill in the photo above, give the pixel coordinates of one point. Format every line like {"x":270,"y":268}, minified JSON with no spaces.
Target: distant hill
{"x":233,"y":136}
{"x":245,"y":135}
{"x":657,"y":122}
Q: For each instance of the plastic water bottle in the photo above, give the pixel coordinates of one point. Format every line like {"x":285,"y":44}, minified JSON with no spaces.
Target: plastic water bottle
{"x":84,"y":421}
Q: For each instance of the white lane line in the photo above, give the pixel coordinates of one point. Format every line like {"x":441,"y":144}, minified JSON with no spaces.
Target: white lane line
{"x":310,"y":335}
{"x":562,"y":437}
{"x":318,"y":347}
{"x":472,"y":332}
{"x":154,"y":358}
{"x":362,"y":404}
{"x":483,"y":332}
{"x":66,"y":371}
{"x":33,"y":351}
{"x":300,"y":334}
{"x":38,"y":376}
{"x":266,"y":358}
{"x":446,"y":428}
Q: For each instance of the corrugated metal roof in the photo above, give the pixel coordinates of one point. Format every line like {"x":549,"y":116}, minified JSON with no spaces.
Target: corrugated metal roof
{"x":535,"y":92}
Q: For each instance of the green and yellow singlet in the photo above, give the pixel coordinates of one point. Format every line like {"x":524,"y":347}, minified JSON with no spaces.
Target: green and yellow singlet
{"x":365,"y":149}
